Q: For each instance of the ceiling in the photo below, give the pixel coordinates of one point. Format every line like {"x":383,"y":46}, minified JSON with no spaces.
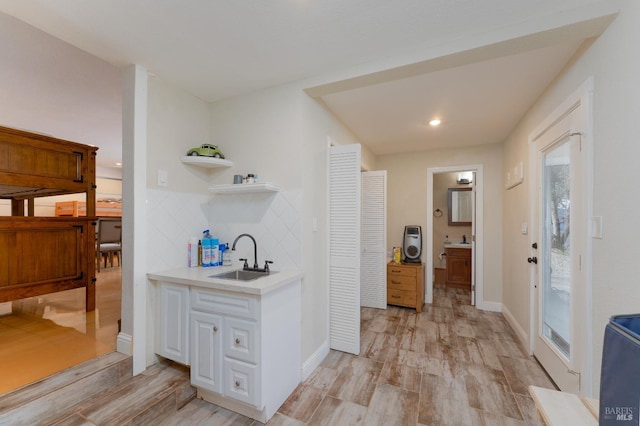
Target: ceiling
{"x":383,"y":68}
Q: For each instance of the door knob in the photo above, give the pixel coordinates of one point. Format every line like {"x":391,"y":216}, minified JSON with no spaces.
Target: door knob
{"x":532,"y":260}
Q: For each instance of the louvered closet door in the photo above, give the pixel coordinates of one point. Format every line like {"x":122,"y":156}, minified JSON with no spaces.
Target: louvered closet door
{"x":373,"y":268}
{"x":344,"y":248}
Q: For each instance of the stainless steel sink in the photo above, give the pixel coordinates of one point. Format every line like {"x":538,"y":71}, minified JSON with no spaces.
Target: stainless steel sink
{"x":241,"y":275}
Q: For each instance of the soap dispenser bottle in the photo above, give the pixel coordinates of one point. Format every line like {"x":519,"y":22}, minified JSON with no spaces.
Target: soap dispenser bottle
{"x":206,"y":248}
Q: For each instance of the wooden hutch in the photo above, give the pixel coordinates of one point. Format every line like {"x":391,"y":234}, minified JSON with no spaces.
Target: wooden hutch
{"x":41,"y":255}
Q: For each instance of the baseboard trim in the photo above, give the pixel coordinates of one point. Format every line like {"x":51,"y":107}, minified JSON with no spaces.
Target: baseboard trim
{"x":315,"y":360}
{"x":124,"y":344}
{"x":522,"y":335}
{"x":490,"y":306}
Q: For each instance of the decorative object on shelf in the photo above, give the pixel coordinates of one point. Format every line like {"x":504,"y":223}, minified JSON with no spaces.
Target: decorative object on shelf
{"x":437,"y":213}
{"x":206,"y":150}
{"x":237,"y":179}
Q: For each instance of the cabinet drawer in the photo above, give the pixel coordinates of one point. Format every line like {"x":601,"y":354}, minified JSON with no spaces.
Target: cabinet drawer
{"x":399,"y":282}
{"x":241,"y":382}
{"x":241,"y":340}
{"x":401,"y":297}
{"x":401,"y":270}
{"x":207,"y":300}
{"x":458,"y":252}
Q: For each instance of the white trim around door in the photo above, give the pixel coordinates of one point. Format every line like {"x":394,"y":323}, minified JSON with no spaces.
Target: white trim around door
{"x":478,"y":266}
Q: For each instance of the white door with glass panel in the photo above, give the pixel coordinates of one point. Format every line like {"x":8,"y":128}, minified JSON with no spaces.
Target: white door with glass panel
{"x":557,"y":248}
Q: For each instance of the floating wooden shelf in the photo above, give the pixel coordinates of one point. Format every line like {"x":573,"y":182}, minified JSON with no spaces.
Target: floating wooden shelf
{"x":245,"y":188}
{"x":208,"y":162}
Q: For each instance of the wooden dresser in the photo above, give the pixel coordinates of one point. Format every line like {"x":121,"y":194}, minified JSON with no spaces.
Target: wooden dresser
{"x":405,"y":285}
{"x":458,"y":268}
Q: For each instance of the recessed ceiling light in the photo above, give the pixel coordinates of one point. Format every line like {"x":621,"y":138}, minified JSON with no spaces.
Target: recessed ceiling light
{"x":435,"y":122}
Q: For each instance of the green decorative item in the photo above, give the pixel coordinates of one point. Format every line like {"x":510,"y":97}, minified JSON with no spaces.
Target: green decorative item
{"x":207,"y":150}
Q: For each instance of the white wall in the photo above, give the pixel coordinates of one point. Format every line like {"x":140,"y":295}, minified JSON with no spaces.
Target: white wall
{"x":51,"y":87}
{"x":281,"y":134}
{"x":407,"y":200}
{"x":613,"y":62}
{"x":178,"y":121}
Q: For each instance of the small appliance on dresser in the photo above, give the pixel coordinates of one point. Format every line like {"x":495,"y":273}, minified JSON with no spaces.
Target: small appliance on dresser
{"x":412,"y":244}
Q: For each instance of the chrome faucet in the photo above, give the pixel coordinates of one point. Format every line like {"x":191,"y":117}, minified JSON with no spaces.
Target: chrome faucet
{"x":464,"y":239}
{"x":255,"y":256}
{"x":255,"y":251}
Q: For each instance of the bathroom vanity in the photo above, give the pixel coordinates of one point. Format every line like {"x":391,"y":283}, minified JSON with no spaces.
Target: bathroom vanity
{"x":242,"y":339}
{"x":458,"y":273}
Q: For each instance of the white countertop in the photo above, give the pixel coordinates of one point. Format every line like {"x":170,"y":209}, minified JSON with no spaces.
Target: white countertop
{"x":458,"y":245}
{"x":201,"y":277}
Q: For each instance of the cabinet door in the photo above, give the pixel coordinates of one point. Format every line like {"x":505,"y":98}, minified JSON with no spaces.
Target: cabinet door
{"x":206,"y":351}
{"x":173,"y":318}
{"x":458,"y":270}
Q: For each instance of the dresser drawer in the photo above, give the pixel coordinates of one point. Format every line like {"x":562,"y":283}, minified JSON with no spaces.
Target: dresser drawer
{"x":401,"y":270}
{"x":399,"y":282}
{"x":401,"y":297}
{"x":220,"y":302}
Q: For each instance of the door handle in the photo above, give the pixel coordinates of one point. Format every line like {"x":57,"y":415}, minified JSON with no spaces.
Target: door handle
{"x":532,"y":260}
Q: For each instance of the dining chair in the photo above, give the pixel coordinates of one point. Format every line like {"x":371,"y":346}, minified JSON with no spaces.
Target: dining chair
{"x":109,"y":241}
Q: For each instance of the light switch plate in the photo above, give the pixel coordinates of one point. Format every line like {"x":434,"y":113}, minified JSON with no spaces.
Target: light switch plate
{"x":596,"y":227}
{"x":163,"y":178}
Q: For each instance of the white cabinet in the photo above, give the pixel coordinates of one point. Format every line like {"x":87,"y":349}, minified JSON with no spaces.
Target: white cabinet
{"x":244,"y":349}
{"x":172,"y":315}
{"x":225,"y":339}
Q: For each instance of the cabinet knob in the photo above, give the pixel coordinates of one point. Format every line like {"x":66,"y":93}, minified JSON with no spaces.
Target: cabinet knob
{"x":237,"y":383}
{"x":215,"y":329}
{"x":237,"y":341}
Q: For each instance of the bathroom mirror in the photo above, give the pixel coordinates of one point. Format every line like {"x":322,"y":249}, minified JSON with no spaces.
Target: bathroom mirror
{"x":460,"y":206}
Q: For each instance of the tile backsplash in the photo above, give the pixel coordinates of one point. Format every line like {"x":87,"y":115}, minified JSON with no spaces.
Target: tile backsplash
{"x":273,"y":219}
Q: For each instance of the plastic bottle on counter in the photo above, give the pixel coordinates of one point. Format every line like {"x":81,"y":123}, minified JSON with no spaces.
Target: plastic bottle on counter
{"x":215,"y":252}
{"x":222,"y":248}
{"x":226,"y":256}
{"x":206,"y":248}
{"x":193,"y":252}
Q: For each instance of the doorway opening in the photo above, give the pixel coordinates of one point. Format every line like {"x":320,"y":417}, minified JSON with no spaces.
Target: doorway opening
{"x":464,"y":233}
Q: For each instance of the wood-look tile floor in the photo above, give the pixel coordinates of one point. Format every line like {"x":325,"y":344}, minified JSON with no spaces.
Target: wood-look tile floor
{"x":43,"y":335}
{"x":448,"y":365}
